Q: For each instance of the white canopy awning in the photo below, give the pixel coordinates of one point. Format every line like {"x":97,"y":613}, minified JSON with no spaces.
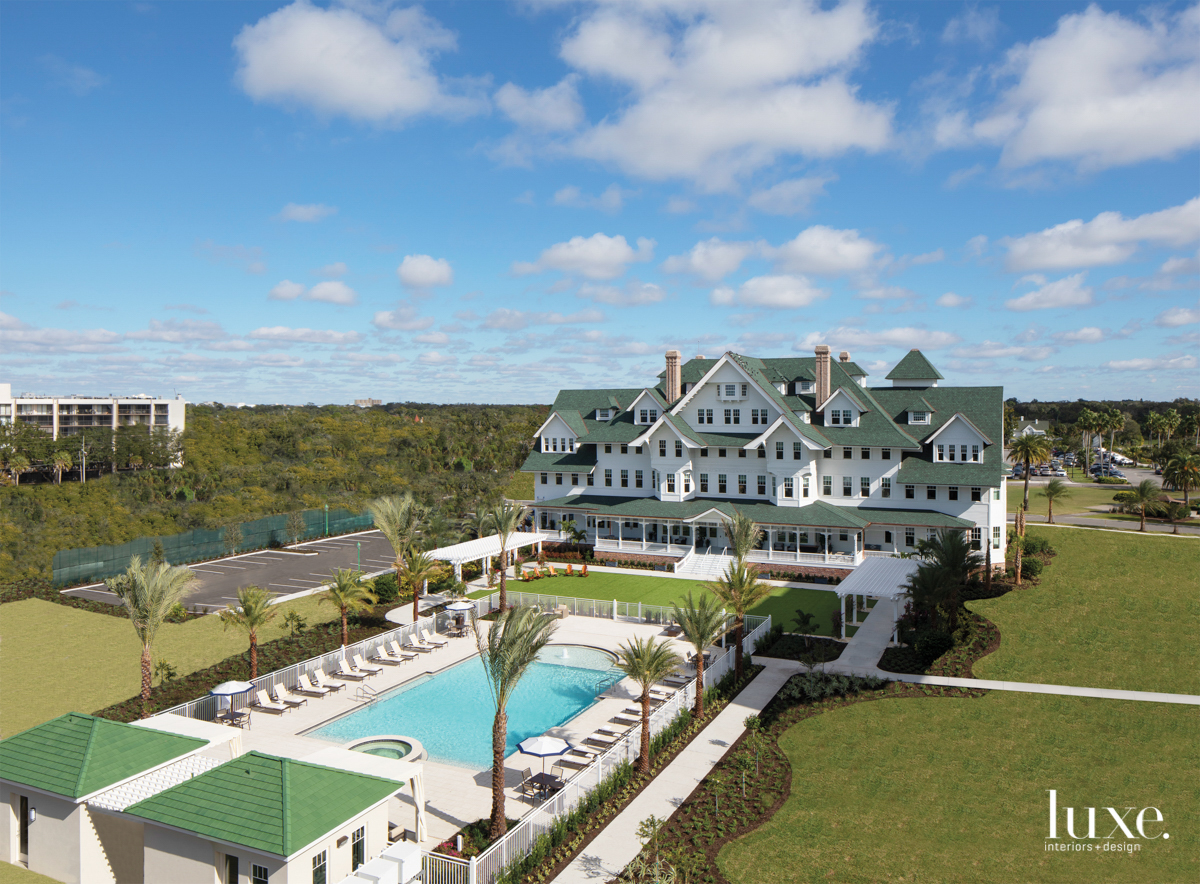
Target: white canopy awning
{"x":485,"y":547}
{"x":879,"y":577}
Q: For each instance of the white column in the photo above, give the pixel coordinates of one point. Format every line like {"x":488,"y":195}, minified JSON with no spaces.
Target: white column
{"x":620,"y":535}
{"x":842,"y":604}
{"x":458,"y":572}
{"x":642,"y":523}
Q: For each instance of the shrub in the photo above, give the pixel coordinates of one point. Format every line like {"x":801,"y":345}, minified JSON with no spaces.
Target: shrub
{"x":1111,"y":480}
{"x":1031,"y":568}
{"x":836,"y":619}
{"x":1037,"y":546}
{"x":387,"y":589}
{"x":931,"y":644}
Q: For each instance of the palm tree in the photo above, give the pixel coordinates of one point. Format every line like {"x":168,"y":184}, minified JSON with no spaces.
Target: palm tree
{"x":149,"y":592}
{"x":931,"y":588}
{"x":1056,"y":489}
{"x":574,"y":533}
{"x":1145,"y":497}
{"x":398,"y":518}
{"x":511,"y":645}
{"x":1182,"y":473}
{"x":18,"y":464}
{"x":349,"y":594}
{"x":417,"y":568}
{"x":949,"y":553}
{"x":1113,"y":421}
{"x":702,"y":623}
{"x":647,"y":661}
{"x":740,"y":589}
{"x":1029,"y":449}
{"x":252,"y":612}
{"x":1176,"y":512}
{"x":503,"y":520}
{"x":1086,"y":423}
{"x":61,"y":461}
{"x":1171,"y":421}
{"x":743,"y":534}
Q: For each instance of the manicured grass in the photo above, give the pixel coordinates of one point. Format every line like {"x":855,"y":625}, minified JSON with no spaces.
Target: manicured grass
{"x":11,"y":874}
{"x":81,"y":662}
{"x":1111,"y":611}
{"x":955,"y":790}
{"x":1082,"y":498}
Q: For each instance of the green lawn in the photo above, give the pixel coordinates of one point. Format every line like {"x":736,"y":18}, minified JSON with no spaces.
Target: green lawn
{"x":955,"y":790}
{"x":80,"y":662}
{"x":638,"y":587}
{"x":1111,"y":611}
{"x":520,"y":487}
{"x":11,"y":874}
{"x":1081,"y":499}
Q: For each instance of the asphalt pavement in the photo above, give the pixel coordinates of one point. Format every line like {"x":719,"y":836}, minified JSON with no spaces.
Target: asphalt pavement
{"x":305,"y":566}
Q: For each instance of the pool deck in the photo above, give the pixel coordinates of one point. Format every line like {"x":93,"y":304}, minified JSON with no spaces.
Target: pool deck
{"x":455,"y":795}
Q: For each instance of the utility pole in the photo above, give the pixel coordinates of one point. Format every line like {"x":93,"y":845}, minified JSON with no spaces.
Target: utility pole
{"x":82,"y":462}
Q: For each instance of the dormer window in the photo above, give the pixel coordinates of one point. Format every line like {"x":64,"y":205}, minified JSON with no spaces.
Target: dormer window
{"x":653,"y":415}
{"x":918,"y":417}
{"x":730,"y":390}
{"x":841,"y":417}
{"x":806,"y":386}
{"x":603,"y":414}
{"x":644,"y":416}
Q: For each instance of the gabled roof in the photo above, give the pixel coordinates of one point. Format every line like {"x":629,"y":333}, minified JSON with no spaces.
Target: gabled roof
{"x":914,"y":367}
{"x":919,"y":403}
{"x":782,"y":421}
{"x":959,"y":416}
{"x":849,"y":393}
{"x":580,"y":460}
{"x":277,"y":805}
{"x":654,"y":396}
{"x":573,"y":419}
{"x":76,"y":755}
{"x":983,"y":405}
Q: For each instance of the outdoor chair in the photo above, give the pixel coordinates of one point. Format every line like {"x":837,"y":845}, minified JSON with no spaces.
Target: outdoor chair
{"x":527,"y":789}
{"x":416,"y":644}
{"x":345,"y":671}
{"x":319,"y":675}
{"x":265,"y":703}
{"x":398,"y":651}
{"x":283,"y":695}
{"x":361,"y":665}
{"x":433,"y":638}
{"x":304,"y":685}
{"x":600,"y":738}
{"x":381,"y":655}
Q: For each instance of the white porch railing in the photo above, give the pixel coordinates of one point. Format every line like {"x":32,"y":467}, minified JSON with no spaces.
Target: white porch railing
{"x":786,"y":557}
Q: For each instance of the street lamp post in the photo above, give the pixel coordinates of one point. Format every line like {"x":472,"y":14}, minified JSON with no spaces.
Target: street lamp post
{"x":326,"y":520}
{"x":359,"y":545}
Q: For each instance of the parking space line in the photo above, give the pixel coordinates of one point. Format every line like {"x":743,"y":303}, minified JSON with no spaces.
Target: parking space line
{"x":202,"y":571}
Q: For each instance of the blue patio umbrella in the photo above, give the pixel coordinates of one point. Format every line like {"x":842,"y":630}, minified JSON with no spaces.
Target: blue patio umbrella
{"x":543,"y":747}
{"x":228,"y":689}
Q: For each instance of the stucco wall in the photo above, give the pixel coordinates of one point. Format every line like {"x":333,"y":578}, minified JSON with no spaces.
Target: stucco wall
{"x":178,"y":857}
{"x":113,"y":842}
{"x":53,"y":836}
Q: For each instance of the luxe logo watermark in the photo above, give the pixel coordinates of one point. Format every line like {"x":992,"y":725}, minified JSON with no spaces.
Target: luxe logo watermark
{"x":1112,"y":842}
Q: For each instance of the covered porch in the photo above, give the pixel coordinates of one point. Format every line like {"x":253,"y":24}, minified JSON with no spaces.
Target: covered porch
{"x":486,"y":548}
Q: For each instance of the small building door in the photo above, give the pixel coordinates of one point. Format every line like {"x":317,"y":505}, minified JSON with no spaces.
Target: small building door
{"x":23,"y":849}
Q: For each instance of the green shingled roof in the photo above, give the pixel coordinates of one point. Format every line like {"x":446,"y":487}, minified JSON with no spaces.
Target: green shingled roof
{"x":916,"y":470}
{"x":582,"y":459}
{"x":914,"y":367}
{"x":75,"y":754}
{"x":278,"y":805}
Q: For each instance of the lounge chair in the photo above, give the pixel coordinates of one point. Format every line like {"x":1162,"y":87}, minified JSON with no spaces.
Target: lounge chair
{"x":418,"y":645}
{"x":568,"y":766}
{"x":305,"y":686}
{"x":283,"y":695}
{"x":381,"y":655}
{"x":265,"y":703}
{"x":600,"y":738}
{"x":433,"y":638}
{"x":362,"y":665}
{"x":319,"y":675}
{"x":345,"y":671}
{"x":398,"y":651}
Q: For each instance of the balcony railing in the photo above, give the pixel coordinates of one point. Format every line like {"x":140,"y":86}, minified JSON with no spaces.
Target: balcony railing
{"x":785,"y":557}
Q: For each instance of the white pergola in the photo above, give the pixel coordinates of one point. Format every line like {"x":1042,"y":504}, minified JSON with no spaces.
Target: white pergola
{"x":881,"y":578}
{"x":485,"y":548}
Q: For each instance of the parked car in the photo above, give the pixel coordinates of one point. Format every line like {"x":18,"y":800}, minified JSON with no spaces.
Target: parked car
{"x":1158,"y":471}
{"x":1060,"y":473}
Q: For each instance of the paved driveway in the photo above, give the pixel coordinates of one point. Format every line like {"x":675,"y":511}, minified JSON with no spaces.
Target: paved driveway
{"x":281,"y":571}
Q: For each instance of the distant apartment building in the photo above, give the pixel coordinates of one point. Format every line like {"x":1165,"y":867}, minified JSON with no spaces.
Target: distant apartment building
{"x":368,"y":403}
{"x":68,"y":415}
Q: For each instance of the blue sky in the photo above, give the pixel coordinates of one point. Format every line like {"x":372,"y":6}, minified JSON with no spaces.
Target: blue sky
{"x":260,"y":202}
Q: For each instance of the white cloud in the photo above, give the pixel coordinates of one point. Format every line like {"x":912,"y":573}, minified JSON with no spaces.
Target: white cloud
{"x":437,"y":339}
{"x":1177,"y":316}
{"x":10,"y":322}
{"x":1066,"y":292}
{"x":365,"y":63}
{"x":1166,"y":363}
{"x":977,"y":245}
{"x":929,"y":257}
{"x":403,"y":318}
{"x":283,"y":334}
{"x":678,"y":205}
{"x":961,"y":176}
{"x":952,"y":300}
{"x":609,"y":201}
{"x":634,"y":293}
{"x":1181,"y":265}
{"x":789,"y":197}
{"x":287,"y":291}
{"x":784,"y":292}
{"x":596,"y":257}
{"x":996,"y":350}
{"x":974,"y":25}
{"x":1109,"y":238}
{"x":74,"y":78}
{"x":433,"y":357}
{"x":711,"y":259}
{"x":716,"y":91}
{"x":1086,"y":335}
{"x":308,"y":213}
{"x":16,"y":337}
{"x":179,"y":331}
{"x":826,"y":251}
{"x":333,"y":292}
{"x":904,"y":338}
{"x":886,"y":293}
{"x":424,"y":272}
{"x":554,"y":109}
{"x":336,"y":269}
{"x":1102,"y":90}
{"x":514,"y":320}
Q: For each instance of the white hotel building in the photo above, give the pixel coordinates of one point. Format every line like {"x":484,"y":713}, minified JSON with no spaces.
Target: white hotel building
{"x":831,"y":469}
{"x":68,"y":415}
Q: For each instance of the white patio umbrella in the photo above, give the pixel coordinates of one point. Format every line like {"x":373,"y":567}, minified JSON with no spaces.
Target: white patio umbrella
{"x":228,"y":689}
{"x":460,"y":606}
{"x":543,"y":747}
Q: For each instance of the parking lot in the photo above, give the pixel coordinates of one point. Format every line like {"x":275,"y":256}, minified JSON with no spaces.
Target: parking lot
{"x":305,"y":566}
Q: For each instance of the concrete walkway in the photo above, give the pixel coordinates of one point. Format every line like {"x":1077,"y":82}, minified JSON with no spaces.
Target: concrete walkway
{"x":618,"y":844}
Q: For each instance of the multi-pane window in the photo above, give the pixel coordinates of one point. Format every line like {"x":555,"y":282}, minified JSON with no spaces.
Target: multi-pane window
{"x":744,"y":388}
{"x":637,"y":478}
{"x":843,"y":536}
{"x":847,"y":417}
{"x":653,"y":415}
{"x":885,"y":454}
{"x":687,"y":483}
{"x":608,"y":478}
{"x":864,"y":486}
{"x":728,"y":415}
{"x":847,"y":486}
{"x":827,"y":453}
{"x":952,"y":491}
{"x":741,"y":484}
{"x":827,"y":485}
{"x":571,"y":444}
{"x":730,"y":390}
{"x":931,"y":534}
{"x":737,"y":415}
{"x":678,"y":448}
{"x":358,"y":847}
{"x":797,"y":451}
{"x":608,"y":449}
{"x":996,"y":537}
{"x":574,"y":479}
{"x":805,"y":480}
{"x":779,"y":451}
{"x":919,"y":417}
{"x":720,"y":483}
{"x":670,"y":483}
{"x":591,"y":479}
{"x":885,"y":486}
{"x":704,"y":416}
{"x":318,"y":867}
{"x":644,"y":414}
{"x":931,"y":492}
{"x":788,"y":487}
{"x":835,"y":416}
{"x":553,"y":444}
{"x":910,"y":536}
{"x":952,"y":452}
{"x":558,"y":478}
{"x":976,"y":495}
{"x":975,"y":452}
{"x":976,"y":538}
{"x":762,"y":451}
{"x":996,"y":493}
{"x":963,"y":449}
{"x":662,"y":447}
{"x":762,"y":486}
{"x":704,"y":483}
{"x":741,"y":452}
{"x":865,"y":454}
{"x":545,"y":478}
{"x":941,"y":452}
{"x":910,"y":491}
{"x":720,"y":452}
{"x":258,"y":874}
{"x":624,"y":449}
{"x":847,"y":453}
{"x":624,"y":478}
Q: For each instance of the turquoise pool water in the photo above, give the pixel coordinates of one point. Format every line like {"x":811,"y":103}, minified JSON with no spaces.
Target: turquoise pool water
{"x":451,"y":712}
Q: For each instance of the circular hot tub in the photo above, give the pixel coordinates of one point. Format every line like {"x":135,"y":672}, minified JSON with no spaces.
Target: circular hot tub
{"x":392,"y":747}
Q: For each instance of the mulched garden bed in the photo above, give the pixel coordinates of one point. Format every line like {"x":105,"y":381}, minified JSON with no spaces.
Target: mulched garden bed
{"x":807,"y":649}
{"x":978,"y":638}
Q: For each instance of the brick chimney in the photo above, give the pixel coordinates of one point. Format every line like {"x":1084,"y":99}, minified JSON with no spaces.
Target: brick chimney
{"x":822,"y":352}
{"x":844,"y":356}
{"x":671,"y":381}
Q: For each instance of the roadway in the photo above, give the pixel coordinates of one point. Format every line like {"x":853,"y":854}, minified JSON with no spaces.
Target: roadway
{"x":303,"y":567}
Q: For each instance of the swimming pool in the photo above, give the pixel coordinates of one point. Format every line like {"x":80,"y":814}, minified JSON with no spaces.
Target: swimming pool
{"x":451,"y":712}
